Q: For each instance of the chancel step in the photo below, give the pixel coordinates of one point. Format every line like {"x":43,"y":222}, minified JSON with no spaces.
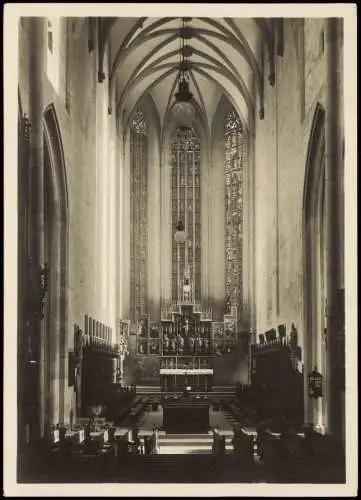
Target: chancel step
{"x":179,"y":444}
{"x":230,"y":389}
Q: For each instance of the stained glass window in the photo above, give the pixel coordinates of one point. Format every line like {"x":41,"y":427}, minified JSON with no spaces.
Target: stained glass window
{"x":186,"y":206}
{"x":234,"y":167}
{"x":138,"y":214}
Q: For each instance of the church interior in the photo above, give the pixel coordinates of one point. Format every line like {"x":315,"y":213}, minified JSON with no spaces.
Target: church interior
{"x":181,"y":280}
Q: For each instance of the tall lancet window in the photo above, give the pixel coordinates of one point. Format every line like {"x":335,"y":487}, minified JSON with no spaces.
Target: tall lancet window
{"x":234,"y":166}
{"x":186,"y":207}
{"x":138,"y":214}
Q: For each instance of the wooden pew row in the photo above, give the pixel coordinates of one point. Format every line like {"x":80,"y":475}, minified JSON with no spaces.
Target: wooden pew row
{"x":324,"y":458}
{"x":219,"y":444}
{"x":243,"y":447}
{"x":92,"y":464}
{"x":292,"y":458}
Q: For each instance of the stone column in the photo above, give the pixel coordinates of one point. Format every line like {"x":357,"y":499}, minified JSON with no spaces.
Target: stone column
{"x":166,"y":225}
{"x":217,"y":228}
{"x":252,"y":234}
{"x":103,"y":168}
{"x":36,"y":108}
{"x":249,"y":241}
{"x":245,"y":306}
{"x":119,"y":166}
{"x":154,"y":228}
{"x":125,"y":229}
{"x":206,"y":194}
{"x":334,"y":228}
{"x":112,"y":259}
{"x":53,"y":337}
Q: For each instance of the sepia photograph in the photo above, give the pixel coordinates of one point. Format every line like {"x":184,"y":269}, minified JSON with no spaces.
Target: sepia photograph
{"x":180,"y":234}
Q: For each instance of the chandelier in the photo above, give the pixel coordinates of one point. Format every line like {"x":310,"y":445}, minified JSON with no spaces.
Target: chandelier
{"x":183,"y":110}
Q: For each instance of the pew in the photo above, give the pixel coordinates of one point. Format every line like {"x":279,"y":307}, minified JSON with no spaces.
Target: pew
{"x":324,"y":458}
{"x":290,"y":456}
{"x":82,"y":460}
{"x":219,"y":443}
{"x":151,"y":444}
{"x":267,"y":446}
{"x":243,"y":445}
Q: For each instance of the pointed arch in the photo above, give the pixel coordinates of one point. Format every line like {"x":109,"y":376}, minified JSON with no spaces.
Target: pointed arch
{"x":53,"y":137}
{"x":56,"y":243}
{"x":317,"y":138}
{"x":314,"y":262}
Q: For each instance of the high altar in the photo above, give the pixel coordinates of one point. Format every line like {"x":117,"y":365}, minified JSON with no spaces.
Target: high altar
{"x":186,"y":340}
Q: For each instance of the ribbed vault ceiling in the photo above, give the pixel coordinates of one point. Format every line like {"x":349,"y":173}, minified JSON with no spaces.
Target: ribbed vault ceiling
{"x":226,"y":59}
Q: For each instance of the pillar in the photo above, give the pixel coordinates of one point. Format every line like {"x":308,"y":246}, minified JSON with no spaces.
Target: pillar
{"x":217,"y":227}
{"x":166,"y":225}
{"x":119,"y":223}
{"x":125,"y":228}
{"x":250,"y":239}
{"x":206,"y":196}
{"x":334,"y":230}
{"x":154,"y":241}
{"x":36,"y":108}
{"x":252,"y":234}
{"x":244,"y":311}
{"x":112,"y":207}
{"x":53,"y":332}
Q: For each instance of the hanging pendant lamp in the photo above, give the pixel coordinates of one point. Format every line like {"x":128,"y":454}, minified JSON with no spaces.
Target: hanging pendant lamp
{"x":183,"y":110}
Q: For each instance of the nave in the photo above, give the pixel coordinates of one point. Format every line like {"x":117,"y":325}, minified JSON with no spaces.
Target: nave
{"x":181,"y":288}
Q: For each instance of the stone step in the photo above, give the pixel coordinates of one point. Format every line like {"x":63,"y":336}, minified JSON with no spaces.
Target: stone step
{"x":190,"y":444}
{"x":186,"y":450}
{"x":184,"y":437}
{"x":187,"y":435}
{"x":189,"y":460}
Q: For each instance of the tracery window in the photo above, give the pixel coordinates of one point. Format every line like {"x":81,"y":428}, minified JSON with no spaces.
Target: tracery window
{"x":186,"y":206}
{"x":138,"y":214}
{"x":234,"y":168}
